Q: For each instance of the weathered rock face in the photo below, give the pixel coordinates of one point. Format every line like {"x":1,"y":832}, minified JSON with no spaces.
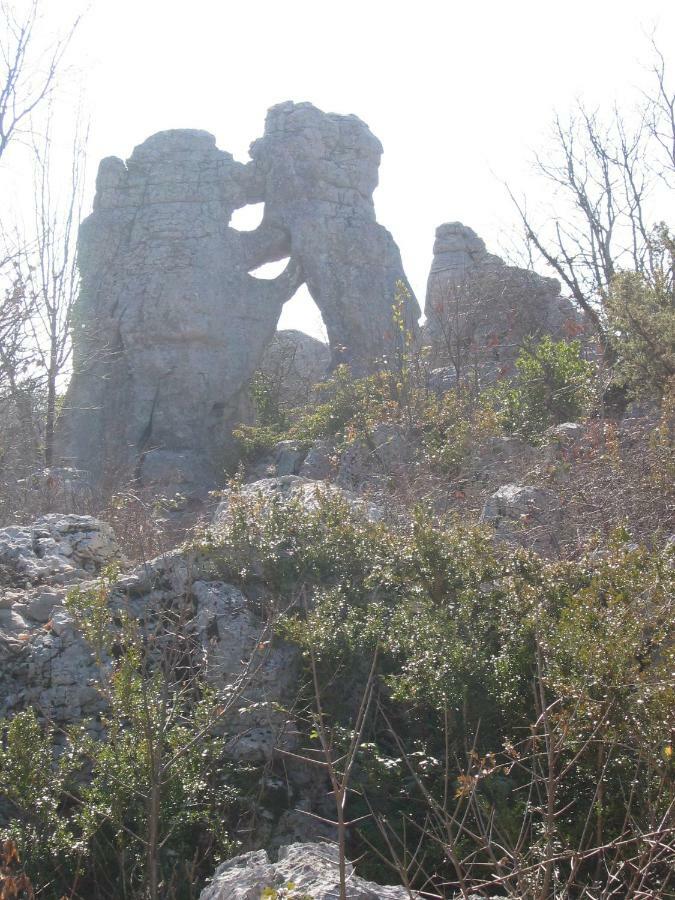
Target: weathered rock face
{"x":46,"y":663}
{"x":225,"y":630}
{"x":312,"y":869}
{"x":171,"y":324}
{"x":317,"y":176}
{"x":294,"y":489}
{"x":480,"y":311}
{"x":55,"y":550}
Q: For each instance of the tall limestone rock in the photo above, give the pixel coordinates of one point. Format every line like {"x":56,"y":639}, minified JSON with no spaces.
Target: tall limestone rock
{"x":171,"y":325}
{"x":480,"y":311}
{"x":317,"y":176}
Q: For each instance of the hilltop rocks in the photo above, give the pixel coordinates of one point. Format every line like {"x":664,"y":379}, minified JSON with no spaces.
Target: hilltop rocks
{"x":172,"y":325}
{"x":318,"y":172}
{"x":46,"y":663}
{"x":284,"y":490}
{"x":311,"y":868}
{"x":480,"y":311}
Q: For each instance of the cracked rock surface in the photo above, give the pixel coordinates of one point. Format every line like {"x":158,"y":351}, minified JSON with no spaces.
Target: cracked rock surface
{"x":480,"y":307}
{"x":171,"y":322}
{"x":311,"y":868}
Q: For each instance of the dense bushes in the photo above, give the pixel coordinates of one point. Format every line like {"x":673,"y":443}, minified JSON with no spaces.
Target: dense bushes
{"x":143,"y":802}
{"x":499,"y":679}
{"x":641,"y":318}
{"x":553,"y":384}
{"x":519,"y":734}
{"x":518,"y":704}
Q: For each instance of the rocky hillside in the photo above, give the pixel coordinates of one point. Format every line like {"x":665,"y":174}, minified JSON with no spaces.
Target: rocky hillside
{"x":401,"y":618}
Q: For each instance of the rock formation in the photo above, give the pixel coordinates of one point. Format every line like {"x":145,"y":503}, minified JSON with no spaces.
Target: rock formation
{"x":46,"y":663}
{"x":317,"y":176}
{"x":480,"y":311}
{"x":171,"y":324}
{"x":311,"y":868}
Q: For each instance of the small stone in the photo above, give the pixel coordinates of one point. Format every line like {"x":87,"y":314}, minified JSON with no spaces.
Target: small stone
{"x":62,"y":622}
{"x":39,"y":608}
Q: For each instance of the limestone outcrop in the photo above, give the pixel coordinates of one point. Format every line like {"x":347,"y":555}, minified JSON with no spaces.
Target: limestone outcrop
{"x":480,"y":310}
{"x":171,"y":324}
{"x":317,"y":175}
{"x":525,"y":515}
{"x":312,"y":869}
{"x":55,"y":549}
{"x":47,"y":664}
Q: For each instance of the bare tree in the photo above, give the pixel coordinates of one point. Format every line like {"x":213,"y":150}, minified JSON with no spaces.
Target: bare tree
{"x":604,"y":171}
{"x":29,"y":70}
{"x":37,"y":270}
{"x":661,"y":120}
{"x":49,"y":268}
{"x":15,"y":312}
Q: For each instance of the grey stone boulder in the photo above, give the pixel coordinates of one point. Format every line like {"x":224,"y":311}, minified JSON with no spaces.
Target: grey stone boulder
{"x":286,"y":489}
{"x":288,"y":457}
{"x":293,"y":364}
{"x":56,"y":549}
{"x":241,"y":660}
{"x":566,"y":442}
{"x":484,"y":309}
{"x":319,"y":463}
{"x":501,"y":458}
{"x":311,"y":869}
{"x":525,"y":515}
{"x":39,"y":607}
{"x":385,"y":452}
{"x":285,"y":458}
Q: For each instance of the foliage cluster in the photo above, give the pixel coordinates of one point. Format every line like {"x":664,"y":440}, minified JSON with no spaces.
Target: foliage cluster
{"x":146,"y":803}
{"x":476,"y":651}
{"x":641,"y":319}
{"x":553,"y":384}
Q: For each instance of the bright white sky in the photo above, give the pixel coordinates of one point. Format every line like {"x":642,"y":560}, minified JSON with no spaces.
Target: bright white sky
{"x":459,"y":93}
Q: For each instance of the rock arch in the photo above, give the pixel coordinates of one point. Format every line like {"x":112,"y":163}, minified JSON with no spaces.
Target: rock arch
{"x":170,"y":325}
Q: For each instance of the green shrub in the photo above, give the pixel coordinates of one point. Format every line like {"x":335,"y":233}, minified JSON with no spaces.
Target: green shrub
{"x":151,"y":796}
{"x":470,"y":644}
{"x":553,"y":384}
{"x":641,"y":323}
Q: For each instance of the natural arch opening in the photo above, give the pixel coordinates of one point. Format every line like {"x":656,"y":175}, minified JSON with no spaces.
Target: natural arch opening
{"x":271,"y":270}
{"x":301,"y":313}
{"x":247,"y":218}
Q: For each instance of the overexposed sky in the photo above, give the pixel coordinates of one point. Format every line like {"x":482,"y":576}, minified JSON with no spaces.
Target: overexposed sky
{"x":459,"y":93}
